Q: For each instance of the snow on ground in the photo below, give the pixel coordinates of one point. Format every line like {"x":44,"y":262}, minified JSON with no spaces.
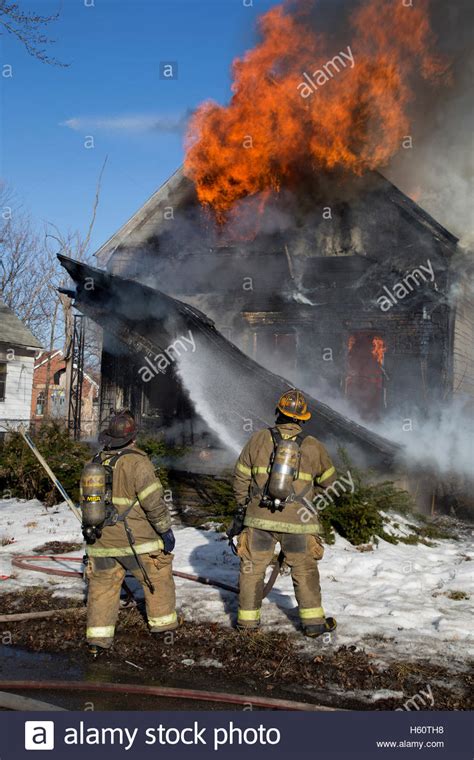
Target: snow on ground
{"x":392,"y":601}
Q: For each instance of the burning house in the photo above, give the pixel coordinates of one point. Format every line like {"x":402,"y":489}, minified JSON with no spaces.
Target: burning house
{"x":287,"y":251}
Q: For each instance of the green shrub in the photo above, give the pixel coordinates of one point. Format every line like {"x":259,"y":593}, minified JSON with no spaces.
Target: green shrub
{"x":220,"y":494}
{"x":23,"y":475}
{"x":357,"y":516}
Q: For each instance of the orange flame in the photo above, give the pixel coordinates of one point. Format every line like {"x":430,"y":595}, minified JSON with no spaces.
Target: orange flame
{"x":378,"y":350}
{"x":269,"y":134}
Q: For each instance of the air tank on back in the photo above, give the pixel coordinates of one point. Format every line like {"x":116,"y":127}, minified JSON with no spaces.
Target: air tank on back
{"x":93,"y":494}
{"x":284,"y":470}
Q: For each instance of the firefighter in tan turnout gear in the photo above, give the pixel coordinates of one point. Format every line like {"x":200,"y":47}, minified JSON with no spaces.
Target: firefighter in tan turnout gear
{"x":274,"y":481}
{"x":127,"y":526}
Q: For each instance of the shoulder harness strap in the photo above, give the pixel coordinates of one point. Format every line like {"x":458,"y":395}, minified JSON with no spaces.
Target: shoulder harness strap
{"x":109,"y":464}
{"x":276,"y":438}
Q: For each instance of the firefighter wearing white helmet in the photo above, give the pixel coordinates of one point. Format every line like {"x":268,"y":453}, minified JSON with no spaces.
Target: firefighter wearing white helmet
{"x":275,"y":476}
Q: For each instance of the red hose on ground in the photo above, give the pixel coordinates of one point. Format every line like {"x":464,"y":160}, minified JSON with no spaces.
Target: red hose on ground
{"x":23,"y":562}
{"x":165,"y":691}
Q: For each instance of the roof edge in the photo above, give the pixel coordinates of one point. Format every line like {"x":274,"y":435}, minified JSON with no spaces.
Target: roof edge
{"x":418,"y":213}
{"x":139,"y":217}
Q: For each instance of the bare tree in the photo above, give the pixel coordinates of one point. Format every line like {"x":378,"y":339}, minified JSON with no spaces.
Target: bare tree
{"x":28,"y":28}
{"x":76,"y":247}
{"x":26,"y":268}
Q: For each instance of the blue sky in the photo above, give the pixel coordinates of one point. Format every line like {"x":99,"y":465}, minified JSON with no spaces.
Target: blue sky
{"x":114,"y":49}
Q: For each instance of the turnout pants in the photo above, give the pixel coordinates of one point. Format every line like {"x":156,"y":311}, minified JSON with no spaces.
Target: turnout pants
{"x":302,"y":551}
{"x":106,"y":575}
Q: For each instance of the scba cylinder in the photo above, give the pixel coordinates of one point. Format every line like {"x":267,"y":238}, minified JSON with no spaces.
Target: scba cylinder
{"x":93,"y":495}
{"x":284,"y":470}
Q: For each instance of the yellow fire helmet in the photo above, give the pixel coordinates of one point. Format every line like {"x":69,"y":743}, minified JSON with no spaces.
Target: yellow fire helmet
{"x":293,"y":404}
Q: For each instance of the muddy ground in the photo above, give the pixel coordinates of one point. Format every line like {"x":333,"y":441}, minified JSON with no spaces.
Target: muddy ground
{"x":220,"y":659}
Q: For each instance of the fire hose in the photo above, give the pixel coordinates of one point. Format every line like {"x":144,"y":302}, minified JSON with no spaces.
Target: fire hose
{"x":166,"y":691}
{"x":23,"y":561}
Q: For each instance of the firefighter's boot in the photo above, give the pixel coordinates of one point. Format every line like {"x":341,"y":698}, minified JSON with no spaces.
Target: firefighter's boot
{"x":313,"y":631}
{"x":96,"y":651}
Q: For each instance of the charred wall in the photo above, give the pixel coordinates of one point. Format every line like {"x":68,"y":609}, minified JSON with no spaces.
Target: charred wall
{"x":309,"y":342}
{"x":161,"y":405}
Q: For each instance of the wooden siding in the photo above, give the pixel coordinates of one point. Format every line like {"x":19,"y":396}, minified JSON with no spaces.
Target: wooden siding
{"x":463,"y":344}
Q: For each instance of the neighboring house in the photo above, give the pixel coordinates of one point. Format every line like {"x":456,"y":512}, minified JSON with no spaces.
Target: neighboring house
{"x":18,"y":347}
{"x":53,"y":363}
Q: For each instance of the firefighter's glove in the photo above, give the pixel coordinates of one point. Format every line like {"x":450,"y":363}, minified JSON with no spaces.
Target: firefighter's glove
{"x":168,"y":541}
{"x":237,"y":524}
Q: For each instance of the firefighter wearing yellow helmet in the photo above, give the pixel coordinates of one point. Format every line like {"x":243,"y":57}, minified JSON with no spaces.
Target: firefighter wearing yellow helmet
{"x":274,"y":481}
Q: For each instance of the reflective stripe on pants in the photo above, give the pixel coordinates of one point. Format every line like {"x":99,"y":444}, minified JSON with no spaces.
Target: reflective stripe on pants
{"x":163,"y":622}
{"x":100,"y":632}
{"x":313,"y":613}
{"x":248,"y":618}
{"x":150,"y":547}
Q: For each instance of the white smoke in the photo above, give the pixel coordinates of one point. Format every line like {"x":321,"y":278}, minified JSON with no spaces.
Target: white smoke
{"x":438,"y":171}
{"x":194,"y":370}
{"x":442,"y":441}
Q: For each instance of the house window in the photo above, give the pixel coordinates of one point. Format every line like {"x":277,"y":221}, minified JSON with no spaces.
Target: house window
{"x":3,"y":380}
{"x":40,"y":399}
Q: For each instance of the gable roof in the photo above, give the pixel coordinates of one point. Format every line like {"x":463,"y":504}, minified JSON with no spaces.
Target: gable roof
{"x":179,"y":191}
{"x":175,"y":189}
{"x":39,"y":361}
{"x":13,"y":331}
{"x":59,"y":352}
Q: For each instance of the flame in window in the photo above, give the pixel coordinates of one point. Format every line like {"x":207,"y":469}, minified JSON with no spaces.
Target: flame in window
{"x":378,"y":349}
